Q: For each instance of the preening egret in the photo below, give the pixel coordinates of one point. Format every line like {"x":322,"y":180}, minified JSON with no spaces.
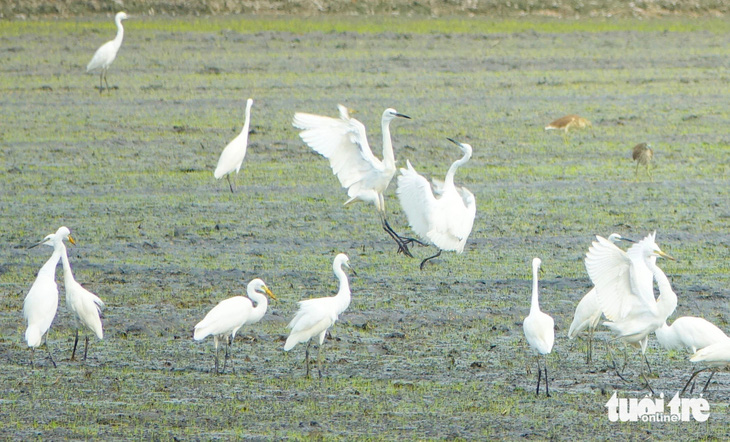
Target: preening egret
{"x":588,"y":313}
{"x":690,"y":333}
{"x":642,"y":153}
{"x":316,"y":316}
{"x":442,"y":215}
{"x":225,"y":319}
{"x":568,"y":122}
{"x":234,"y":153}
{"x":539,"y":328}
{"x":625,"y":289}
{"x":41,"y":302}
{"x":105,"y":55}
{"x":343,"y":141}
{"x":714,"y":356}
{"x":84,"y":305}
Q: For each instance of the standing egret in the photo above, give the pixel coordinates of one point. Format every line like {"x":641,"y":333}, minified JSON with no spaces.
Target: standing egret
{"x":442,"y":215}
{"x":642,"y":153}
{"x":226,"y":318}
{"x":588,"y":313}
{"x":690,"y":333}
{"x":539,"y":328}
{"x":625,"y":289}
{"x":105,"y":55}
{"x":234,"y":153}
{"x":343,"y":141}
{"x":85,"y":306}
{"x":41,"y":302}
{"x":714,"y":356}
{"x":316,"y":316}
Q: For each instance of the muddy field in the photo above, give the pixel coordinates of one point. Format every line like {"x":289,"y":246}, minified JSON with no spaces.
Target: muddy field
{"x":437,"y":353}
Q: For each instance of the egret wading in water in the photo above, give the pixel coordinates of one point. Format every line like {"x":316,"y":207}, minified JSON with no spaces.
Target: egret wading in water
{"x":84,"y":305}
{"x":714,"y":356}
{"x":41,"y":302}
{"x":232,"y":156}
{"x":539,"y":328}
{"x":225,"y":319}
{"x":643,"y":154}
{"x":588,"y":313}
{"x":442,"y":214}
{"x":343,"y":141}
{"x":625,"y":290}
{"x":316,"y":316}
{"x":105,"y":55}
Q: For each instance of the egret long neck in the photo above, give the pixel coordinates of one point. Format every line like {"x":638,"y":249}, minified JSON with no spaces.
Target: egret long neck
{"x":247,"y":121}
{"x":449,"y":180}
{"x":343,"y":294}
{"x":50,"y":266}
{"x":67,"y":275}
{"x":120,"y":33}
{"x":535,"y":304}
{"x":667,"y":301}
{"x":388,"y":155}
{"x":262,"y":304}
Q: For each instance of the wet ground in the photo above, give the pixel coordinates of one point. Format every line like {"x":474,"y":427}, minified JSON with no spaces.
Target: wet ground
{"x":437,"y":353}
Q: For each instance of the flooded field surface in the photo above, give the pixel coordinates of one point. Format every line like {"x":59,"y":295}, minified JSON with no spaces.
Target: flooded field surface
{"x":434,"y":353}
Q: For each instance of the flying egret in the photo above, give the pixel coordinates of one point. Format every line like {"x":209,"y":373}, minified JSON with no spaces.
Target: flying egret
{"x":316,"y":316}
{"x":690,"y":333}
{"x":588,"y":313}
{"x":234,"y":153}
{"x":539,"y":328}
{"x":84,"y":305}
{"x":643,"y":154}
{"x":105,"y":55}
{"x":714,"y":356}
{"x":225,"y":319}
{"x":41,"y":302}
{"x":343,"y":141}
{"x":442,"y":214}
{"x":568,"y":122}
{"x":625,"y":289}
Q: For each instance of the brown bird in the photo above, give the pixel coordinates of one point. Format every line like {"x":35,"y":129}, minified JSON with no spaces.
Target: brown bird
{"x":569,"y":122}
{"x":643,"y":154}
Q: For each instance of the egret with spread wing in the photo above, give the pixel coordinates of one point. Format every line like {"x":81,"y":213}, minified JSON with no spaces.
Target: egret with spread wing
{"x":442,"y":215}
{"x":343,"y":141}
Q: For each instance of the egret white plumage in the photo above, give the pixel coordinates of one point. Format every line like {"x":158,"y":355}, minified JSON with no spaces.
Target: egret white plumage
{"x":714,"y":356}
{"x":539,"y":328}
{"x":105,"y":55}
{"x":84,"y":305}
{"x":343,"y":141}
{"x":316,"y":316}
{"x":225,"y":319}
{"x":233,"y":154}
{"x":588,"y":313}
{"x":689,"y":333}
{"x":41,"y":302}
{"x":442,"y":215}
{"x":625,"y":289}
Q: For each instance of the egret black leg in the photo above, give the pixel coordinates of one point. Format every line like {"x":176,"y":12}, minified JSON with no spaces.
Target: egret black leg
{"x":539,"y":375}
{"x":430,"y":258}
{"x":106,"y":82}
{"x":707,"y":384}
{"x":76,"y":341}
{"x":319,"y":360}
{"x":547,"y":389}
{"x":50,"y":355}
{"x":216,"y":360}
{"x":230,"y":185}
{"x":402,"y":247}
{"x":101,"y":85}
{"x":86,"y":346}
{"x":306,"y":357}
{"x":694,"y":375}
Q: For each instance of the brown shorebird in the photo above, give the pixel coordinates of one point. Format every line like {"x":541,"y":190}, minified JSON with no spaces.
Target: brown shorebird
{"x":569,"y":122}
{"x":643,"y":154}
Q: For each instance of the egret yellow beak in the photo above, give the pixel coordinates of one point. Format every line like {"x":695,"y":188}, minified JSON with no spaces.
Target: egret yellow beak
{"x":71,"y":240}
{"x":665,"y":255}
{"x":271,"y":295}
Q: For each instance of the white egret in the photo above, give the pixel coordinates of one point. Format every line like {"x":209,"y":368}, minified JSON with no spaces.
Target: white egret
{"x":105,"y":55}
{"x":690,"y":333}
{"x":232,"y":156}
{"x":714,"y":356}
{"x":316,"y":316}
{"x":588,"y":313}
{"x":539,"y":328}
{"x":84,"y":305}
{"x":225,"y":319}
{"x":625,"y":289}
{"x":442,"y":215}
{"x":41,"y":302}
{"x":343,"y":141}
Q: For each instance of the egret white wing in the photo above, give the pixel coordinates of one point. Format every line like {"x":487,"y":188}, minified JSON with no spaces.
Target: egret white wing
{"x":416,"y":199}
{"x":228,"y":315}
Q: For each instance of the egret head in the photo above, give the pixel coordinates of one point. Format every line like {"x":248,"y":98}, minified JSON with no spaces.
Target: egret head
{"x":466,"y":148}
{"x":536,"y":263}
{"x":341,"y":260}
{"x":615,"y":238}
{"x":389,"y":114}
{"x":121,"y":16}
{"x":50,"y":240}
{"x":649,"y":248}
{"x":257,"y":285}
